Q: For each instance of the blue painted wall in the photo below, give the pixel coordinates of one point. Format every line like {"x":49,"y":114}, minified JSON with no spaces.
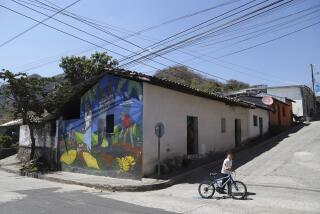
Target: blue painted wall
{"x":85,"y":145}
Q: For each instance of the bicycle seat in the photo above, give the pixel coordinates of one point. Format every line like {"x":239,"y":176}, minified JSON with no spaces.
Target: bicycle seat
{"x":213,"y":173}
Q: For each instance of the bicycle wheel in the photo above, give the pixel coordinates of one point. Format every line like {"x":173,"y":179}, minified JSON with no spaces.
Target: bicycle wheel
{"x":206,"y":190}
{"x":238,"y":190}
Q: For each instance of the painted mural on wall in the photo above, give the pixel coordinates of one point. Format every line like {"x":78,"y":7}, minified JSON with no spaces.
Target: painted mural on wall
{"x":107,"y":139}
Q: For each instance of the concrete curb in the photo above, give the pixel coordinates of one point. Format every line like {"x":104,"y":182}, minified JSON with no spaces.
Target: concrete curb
{"x":151,"y":186}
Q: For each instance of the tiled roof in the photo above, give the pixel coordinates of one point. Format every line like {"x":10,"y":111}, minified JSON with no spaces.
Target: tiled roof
{"x":177,"y":86}
{"x":257,"y":101}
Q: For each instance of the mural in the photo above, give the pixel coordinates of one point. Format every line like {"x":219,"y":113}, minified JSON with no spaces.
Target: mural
{"x":107,"y":139}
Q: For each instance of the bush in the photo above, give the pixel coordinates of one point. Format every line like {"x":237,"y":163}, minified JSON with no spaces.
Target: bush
{"x":5,"y":141}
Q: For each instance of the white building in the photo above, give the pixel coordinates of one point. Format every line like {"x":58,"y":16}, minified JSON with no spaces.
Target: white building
{"x":108,"y":128}
{"x":195,"y":123}
{"x":303,"y":96}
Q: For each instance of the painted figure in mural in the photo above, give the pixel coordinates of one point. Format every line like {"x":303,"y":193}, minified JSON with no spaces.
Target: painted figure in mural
{"x":126,"y":129}
{"x":106,"y":97}
{"x":87,"y":128}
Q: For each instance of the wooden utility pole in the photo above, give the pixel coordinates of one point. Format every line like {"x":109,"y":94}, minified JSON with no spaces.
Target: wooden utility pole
{"x":314,"y":93}
{"x":312,"y":77}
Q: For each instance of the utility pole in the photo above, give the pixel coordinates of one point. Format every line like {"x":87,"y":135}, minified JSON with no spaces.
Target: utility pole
{"x":314,"y":93}
{"x":312,"y":77}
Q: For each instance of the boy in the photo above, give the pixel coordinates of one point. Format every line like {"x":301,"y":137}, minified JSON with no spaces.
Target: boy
{"x":226,"y":170}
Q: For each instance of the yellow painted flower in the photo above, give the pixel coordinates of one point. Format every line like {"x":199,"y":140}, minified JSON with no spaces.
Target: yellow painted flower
{"x":68,"y":157}
{"x":125,"y":163}
{"x":90,"y":160}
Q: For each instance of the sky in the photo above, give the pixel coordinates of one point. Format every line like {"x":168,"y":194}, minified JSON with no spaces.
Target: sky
{"x":284,"y":61}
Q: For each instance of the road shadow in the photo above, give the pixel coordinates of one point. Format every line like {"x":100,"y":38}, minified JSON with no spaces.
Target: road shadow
{"x":226,"y":197}
{"x":243,"y":155}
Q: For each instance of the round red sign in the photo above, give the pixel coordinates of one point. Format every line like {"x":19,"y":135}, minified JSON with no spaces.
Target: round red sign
{"x":267,"y":100}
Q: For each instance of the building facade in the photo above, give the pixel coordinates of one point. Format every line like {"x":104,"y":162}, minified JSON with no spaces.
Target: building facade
{"x":304,"y":105}
{"x":109,"y":128}
{"x":282,"y":117}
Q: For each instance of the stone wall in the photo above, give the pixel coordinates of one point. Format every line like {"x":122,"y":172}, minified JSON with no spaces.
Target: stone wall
{"x":46,"y":143}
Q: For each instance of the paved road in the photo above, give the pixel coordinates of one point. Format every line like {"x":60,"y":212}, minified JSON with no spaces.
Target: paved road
{"x":22,"y":195}
{"x":282,"y":177}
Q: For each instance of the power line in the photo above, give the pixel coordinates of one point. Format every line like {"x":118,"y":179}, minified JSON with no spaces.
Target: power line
{"x":161,"y":57}
{"x":192,"y":42}
{"x":201,"y":34}
{"x":39,"y":23}
{"x":209,"y":74}
{"x":64,"y":32}
{"x":261,"y":24}
{"x":170,"y":20}
{"x":140,"y":47}
{"x":276,"y":28}
{"x":270,"y":29}
{"x":188,"y":29}
{"x":195,"y":69}
{"x":271,"y":40}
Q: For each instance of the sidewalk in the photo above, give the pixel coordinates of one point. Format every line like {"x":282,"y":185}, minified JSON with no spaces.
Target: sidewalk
{"x":12,"y":165}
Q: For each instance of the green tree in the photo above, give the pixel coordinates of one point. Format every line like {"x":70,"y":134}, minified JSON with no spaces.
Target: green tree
{"x":77,"y":69}
{"x":26,"y":95}
{"x":235,"y":85}
{"x":184,"y":75}
{"x":80,"y":68}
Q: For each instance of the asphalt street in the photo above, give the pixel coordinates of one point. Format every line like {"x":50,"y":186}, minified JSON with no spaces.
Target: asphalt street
{"x":282,"y":177}
{"x":23,"y":195}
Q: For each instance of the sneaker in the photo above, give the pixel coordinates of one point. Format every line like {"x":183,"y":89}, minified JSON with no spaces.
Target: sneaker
{"x":221,"y":191}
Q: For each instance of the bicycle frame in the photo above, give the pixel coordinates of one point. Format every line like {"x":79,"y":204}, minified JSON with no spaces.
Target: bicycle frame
{"x":215,"y":180}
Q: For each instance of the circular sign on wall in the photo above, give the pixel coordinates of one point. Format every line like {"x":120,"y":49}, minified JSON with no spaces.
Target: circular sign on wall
{"x":267,"y":100}
{"x":159,"y":129}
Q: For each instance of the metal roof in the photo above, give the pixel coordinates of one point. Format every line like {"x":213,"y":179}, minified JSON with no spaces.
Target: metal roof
{"x":12,"y":123}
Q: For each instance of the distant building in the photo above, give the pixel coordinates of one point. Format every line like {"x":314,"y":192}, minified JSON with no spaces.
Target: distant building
{"x":303,"y":96}
{"x":304,"y":105}
{"x":279,"y":113}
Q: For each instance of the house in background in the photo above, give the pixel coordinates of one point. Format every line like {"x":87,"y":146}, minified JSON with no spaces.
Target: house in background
{"x":305,"y":103}
{"x":108,"y":128}
{"x":258,"y":118}
{"x":280,"y":111}
{"x":282,"y":116}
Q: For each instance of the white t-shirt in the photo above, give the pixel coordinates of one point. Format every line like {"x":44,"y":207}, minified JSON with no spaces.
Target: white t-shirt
{"x":227,"y":164}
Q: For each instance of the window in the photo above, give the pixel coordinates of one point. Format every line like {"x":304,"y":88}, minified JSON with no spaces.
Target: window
{"x":255,"y":120}
{"x":110,"y":123}
{"x":223,"y":125}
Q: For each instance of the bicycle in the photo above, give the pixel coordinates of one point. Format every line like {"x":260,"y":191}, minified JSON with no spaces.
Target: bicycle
{"x":238,"y":189}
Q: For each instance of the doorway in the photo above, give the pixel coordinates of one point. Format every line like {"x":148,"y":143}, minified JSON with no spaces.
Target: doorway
{"x":192,"y":135}
{"x":261,"y":126}
{"x":237,"y":132}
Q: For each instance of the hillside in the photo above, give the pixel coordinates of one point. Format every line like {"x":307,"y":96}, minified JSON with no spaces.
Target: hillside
{"x":183,"y":75}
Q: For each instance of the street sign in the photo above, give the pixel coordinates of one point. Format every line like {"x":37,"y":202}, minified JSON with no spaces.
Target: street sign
{"x":159,"y":130}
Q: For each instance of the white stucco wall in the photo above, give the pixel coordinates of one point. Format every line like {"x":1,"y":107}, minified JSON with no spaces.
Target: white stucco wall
{"x":297,"y":107}
{"x":44,"y":136}
{"x":254,"y":131}
{"x":172,"y":108}
{"x":293,"y":93}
